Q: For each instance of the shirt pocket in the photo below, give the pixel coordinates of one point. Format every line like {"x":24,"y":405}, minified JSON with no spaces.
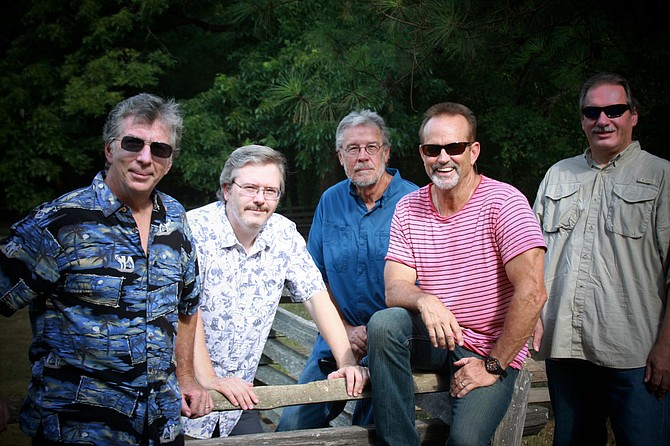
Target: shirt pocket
{"x":95,"y":289}
{"x":561,"y":207}
{"x":630,"y":209}
{"x":336,"y":241}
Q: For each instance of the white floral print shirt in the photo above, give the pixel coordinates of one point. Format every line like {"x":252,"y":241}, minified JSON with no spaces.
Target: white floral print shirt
{"x":240,"y":295}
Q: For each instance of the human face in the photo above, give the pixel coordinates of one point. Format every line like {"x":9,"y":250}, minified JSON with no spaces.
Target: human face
{"x":608,"y":136}
{"x":446,"y":171}
{"x":246,"y":214}
{"x":132,"y":176}
{"x":363,"y":169}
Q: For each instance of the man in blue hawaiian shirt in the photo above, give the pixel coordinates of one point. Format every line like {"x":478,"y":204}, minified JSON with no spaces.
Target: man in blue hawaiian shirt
{"x":109,"y":274}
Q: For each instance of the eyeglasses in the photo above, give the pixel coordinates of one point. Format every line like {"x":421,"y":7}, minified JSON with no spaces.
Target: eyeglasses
{"x":135,"y":145}
{"x":250,"y":190}
{"x":353,"y":150}
{"x":611,"y":111}
{"x":453,"y":149}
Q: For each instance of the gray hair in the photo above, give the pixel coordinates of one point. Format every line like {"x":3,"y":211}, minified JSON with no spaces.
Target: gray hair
{"x":605,"y":78}
{"x":146,"y":108}
{"x":253,"y":154}
{"x":363,"y":117}
{"x":453,"y":109}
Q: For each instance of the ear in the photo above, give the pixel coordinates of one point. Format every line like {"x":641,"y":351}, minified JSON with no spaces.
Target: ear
{"x":224,"y":189}
{"x":340,"y":157}
{"x":474,"y":152}
{"x":634,"y":117}
{"x":108,"y":152}
{"x":387,"y":154}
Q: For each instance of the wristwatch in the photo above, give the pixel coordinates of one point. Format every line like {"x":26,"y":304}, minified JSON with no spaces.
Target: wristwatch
{"x":493,"y":366}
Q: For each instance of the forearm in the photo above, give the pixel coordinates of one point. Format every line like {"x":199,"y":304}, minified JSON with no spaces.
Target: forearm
{"x":204,"y":369}
{"x":184,"y":346}
{"x":526,"y":273}
{"x":401,"y":289}
{"x":522,"y":316}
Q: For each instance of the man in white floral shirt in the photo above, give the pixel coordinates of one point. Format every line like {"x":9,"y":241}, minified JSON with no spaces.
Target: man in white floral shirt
{"x":246,"y":254}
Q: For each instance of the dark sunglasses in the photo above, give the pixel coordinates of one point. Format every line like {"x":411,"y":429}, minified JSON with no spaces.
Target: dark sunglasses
{"x":611,"y":111}
{"x":134,"y":144}
{"x":455,"y":148}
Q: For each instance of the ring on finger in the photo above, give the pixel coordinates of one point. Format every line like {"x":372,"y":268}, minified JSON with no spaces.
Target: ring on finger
{"x":462,"y":384}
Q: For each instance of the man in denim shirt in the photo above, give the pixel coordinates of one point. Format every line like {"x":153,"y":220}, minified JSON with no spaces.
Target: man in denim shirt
{"x":109,"y":273}
{"x":605,"y":216}
{"x":348,"y":240}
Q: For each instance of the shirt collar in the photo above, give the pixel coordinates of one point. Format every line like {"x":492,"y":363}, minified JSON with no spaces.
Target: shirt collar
{"x":110,"y":202}
{"x":229,"y":239}
{"x":622,"y":157}
{"x":390,"y":189}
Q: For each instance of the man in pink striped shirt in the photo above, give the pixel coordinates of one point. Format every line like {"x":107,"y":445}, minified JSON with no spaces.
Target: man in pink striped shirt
{"x":464,"y":280}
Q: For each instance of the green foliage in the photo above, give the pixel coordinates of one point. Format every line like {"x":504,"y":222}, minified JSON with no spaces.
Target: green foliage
{"x":283,"y":73}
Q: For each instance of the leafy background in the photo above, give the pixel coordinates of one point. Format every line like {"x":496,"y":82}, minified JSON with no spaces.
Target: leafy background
{"x":284,"y":72}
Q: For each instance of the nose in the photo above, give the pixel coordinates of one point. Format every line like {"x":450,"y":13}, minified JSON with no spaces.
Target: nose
{"x":145,"y":154}
{"x":260,"y":196}
{"x":443,"y":157}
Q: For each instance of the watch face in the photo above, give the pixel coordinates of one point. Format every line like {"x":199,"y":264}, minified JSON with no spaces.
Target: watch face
{"x":493,"y":366}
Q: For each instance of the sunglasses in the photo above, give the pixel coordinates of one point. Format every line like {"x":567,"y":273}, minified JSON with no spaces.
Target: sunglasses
{"x":455,"y":148}
{"x":135,"y":145}
{"x":611,"y":111}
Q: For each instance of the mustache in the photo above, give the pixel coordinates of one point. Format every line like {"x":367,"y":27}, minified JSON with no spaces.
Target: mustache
{"x":257,"y":208}
{"x":359,"y":166}
{"x":606,"y":129}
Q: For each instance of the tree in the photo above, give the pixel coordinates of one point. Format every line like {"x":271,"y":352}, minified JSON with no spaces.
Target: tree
{"x":283,"y":72}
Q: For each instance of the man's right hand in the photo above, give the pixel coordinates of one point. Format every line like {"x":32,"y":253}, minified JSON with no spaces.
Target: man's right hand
{"x":442,"y":325}
{"x":358,"y":338}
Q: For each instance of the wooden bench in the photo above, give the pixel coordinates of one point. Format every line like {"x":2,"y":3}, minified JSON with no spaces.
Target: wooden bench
{"x":284,"y":357}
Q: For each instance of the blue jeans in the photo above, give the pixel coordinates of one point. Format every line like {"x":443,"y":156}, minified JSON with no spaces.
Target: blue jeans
{"x":313,"y":416}
{"x":398,"y":343}
{"x":584,"y":395}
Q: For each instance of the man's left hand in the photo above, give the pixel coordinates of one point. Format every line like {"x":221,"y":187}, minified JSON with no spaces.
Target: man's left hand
{"x":470,"y":375}
{"x":657,"y":373}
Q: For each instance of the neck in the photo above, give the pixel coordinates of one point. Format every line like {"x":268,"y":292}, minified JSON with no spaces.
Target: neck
{"x":370,"y":194}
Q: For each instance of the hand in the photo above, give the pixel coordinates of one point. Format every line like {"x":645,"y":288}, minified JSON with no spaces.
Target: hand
{"x":538,"y":331}
{"x":470,"y":375}
{"x":356,"y":377}
{"x":4,"y":415}
{"x":239,"y":392}
{"x":442,"y":326}
{"x":657,"y":373}
{"x":358,"y":338}
{"x":195,"y":399}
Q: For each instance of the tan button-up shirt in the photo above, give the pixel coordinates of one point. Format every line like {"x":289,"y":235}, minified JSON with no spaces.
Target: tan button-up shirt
{"x":607,"y":265}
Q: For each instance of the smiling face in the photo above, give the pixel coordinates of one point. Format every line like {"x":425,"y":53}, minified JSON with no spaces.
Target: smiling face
{"x":132,"y":176}
{"x":363,"y":169}
{"x":447,"y":172}
{"x":247,"y":214}
{"x":608,"y":136}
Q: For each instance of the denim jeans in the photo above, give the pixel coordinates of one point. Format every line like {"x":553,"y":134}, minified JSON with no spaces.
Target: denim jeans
{"x":583,"y":395}
{"x":313,"y":416}
{"x":398,"y":343}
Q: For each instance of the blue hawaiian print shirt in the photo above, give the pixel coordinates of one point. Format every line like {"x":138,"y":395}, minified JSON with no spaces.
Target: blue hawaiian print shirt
{"x":104,"y":316}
